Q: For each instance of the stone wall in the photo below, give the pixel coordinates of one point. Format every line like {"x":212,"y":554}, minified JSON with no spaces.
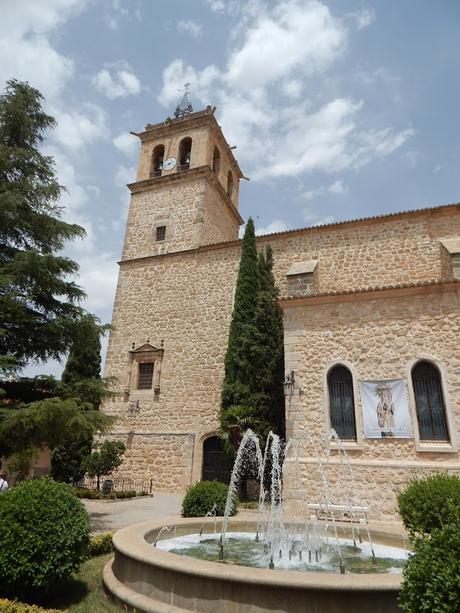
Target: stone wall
{"x":377,"y":336}
{"x":185,"y":300}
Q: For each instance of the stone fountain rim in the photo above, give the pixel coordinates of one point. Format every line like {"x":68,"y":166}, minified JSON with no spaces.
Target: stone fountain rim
{"x":133,"y":542}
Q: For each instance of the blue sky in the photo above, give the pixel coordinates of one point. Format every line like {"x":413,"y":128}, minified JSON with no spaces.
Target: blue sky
{"x":339,"y":109}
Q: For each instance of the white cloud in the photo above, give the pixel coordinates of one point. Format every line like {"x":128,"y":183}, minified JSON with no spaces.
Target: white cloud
{"x":75,"y":129}
{"x":176,"y":74}
{"x":335,"y":188}
{"x":218,"y":6}
{"x":190,"y":27}
{"x":279,"y":50}
{"x":116,"y":13}
{"x":292,"y":88}
{"x":121,"y":83}
{"x":313,"y":219}
{"x":26,"y":52}
{"x":278,"y":225}
{"x":126,"y":143}
{"x":98,"y":277}
{"x":124,"y":175}
{"x":295,"y":35}
{"x":363,"y":18}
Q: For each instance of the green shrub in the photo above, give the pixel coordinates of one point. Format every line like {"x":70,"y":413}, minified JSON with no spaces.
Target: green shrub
{"x":201,"y":497}
{"x":44,"y":535}
{"x":432,"y":576}
{"x":100,"y":544}
{"x":12,"y":606}
{"x":429,"y":503}
{"x":119,"y":495}
{"x":84,"y":492}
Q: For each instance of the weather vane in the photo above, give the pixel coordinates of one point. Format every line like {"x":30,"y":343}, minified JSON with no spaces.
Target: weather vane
{"x":184,"y":108}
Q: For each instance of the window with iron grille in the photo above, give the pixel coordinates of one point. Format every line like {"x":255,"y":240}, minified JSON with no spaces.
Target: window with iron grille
{"x":342,"y":402}
{"x":161,"y":233}
{"x":429,"y":402}
{"x":145,"y":376}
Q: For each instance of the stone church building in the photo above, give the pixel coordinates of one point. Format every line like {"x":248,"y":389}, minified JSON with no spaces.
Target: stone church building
{"x":371,"y":301}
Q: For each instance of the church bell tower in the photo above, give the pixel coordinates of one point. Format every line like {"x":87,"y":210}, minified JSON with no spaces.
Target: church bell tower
{"x":186,"y":190}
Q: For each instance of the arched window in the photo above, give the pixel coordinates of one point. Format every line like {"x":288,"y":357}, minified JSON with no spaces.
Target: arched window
{"x":157,"y":161}
{"x":429,"y":402}
{"x":216,"y":161}
{"x":185,"y":153}
{"x":216,"y":466}
{"x":229,"y":184}
{"x":342,"y":402}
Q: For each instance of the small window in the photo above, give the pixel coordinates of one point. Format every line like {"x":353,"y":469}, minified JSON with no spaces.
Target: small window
{"x":342,"y":402}
{"x":216,"y":161}
{"x":229,"y":184}
{"x":429,"y":402}
{"x":161,"y":233}
{"x":145,"y":376}
{"x":185,"y":153}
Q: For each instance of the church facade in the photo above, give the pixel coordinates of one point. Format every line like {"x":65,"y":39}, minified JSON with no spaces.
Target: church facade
{"x":371,"y":327}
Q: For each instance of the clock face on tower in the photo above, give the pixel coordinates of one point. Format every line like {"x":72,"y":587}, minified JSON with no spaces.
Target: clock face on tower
{"x":169,"y":164}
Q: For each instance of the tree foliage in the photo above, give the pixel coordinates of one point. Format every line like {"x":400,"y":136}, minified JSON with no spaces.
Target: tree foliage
{"x":40,"y":316}
{"x":431,"y":578}
{"x":429,"y":503}
{"x":105,"y":459}
{"x":44,"y":532}
{"x":252,"y":391}
{"x":38,"y":303}
{"x":82,"y":376}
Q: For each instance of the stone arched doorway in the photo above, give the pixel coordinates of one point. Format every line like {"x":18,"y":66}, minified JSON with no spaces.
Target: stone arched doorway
{"x":216,"y":466}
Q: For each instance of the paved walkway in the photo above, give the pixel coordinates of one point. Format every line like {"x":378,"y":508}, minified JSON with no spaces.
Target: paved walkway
{"x":114,"y":514}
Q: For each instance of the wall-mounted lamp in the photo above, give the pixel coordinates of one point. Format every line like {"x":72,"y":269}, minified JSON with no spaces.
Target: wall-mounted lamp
{"x":133,"y":407}
{"x":289,"y":384}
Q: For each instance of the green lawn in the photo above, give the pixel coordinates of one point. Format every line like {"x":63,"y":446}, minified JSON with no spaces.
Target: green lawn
{"x":84,"y":592}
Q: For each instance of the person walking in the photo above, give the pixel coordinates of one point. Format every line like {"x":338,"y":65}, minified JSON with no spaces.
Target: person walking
{"x":3,"y":482}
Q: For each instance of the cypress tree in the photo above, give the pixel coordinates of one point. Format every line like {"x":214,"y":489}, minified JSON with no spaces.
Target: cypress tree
{"x":238,"y":368}
{"x":269,"y":347}
{"x":252,"y":392}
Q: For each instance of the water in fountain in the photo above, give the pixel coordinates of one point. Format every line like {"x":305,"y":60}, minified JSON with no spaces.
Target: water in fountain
{"x":314,"y":538}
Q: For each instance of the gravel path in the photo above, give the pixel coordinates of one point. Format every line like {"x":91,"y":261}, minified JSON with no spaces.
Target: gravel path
{"x":114,"y":514}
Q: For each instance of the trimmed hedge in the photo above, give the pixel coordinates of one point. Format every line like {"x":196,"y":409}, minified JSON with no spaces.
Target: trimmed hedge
{"x":12,"y":606}
{"x":429,"y":503}
{"x":432,"y":576}
{"x":44,"y":535}
{"x":201,"y":497}
{"x":100,"y":544}
{"x":93,"y":494}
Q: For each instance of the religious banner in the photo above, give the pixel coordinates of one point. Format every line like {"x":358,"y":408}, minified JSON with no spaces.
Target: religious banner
{"x":385,"y":409}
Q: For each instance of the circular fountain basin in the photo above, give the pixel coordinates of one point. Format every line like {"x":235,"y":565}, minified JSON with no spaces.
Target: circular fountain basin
{"x":148,"y":578}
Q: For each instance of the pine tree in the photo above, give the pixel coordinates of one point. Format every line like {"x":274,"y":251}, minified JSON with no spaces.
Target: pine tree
{"x":38,"y":303}
{"x":81,"y":376}
{"x":39,"y":310}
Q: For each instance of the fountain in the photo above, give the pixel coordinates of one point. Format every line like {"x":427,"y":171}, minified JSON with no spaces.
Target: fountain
{"x":323,"y":558}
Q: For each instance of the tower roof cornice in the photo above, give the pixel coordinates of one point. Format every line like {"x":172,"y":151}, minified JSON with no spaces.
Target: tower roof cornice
{"x":184,"y":124}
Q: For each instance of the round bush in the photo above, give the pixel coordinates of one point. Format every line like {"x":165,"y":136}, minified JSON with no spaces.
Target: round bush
{"x":44,"y":535}
{"x":432,"y":576}
{"x":201,"y":497}
{"x":429,"y":503}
